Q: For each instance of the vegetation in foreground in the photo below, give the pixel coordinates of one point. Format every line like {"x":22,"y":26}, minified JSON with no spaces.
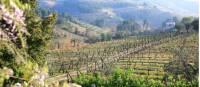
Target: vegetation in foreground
{"x":23,"y":42}
{"x":126,"y":78}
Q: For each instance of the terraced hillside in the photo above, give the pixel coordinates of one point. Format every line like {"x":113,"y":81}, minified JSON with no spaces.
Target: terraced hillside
{"x":93,"y":52}
{"x":147,"y":55}
{"x":151,"y":62}
{"x":102,"y":54}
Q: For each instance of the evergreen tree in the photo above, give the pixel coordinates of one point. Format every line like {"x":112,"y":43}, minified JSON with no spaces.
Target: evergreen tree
{"x":28,"y":35}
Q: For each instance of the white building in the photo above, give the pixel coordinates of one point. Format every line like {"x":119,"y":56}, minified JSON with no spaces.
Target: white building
{"x":169,"y":24}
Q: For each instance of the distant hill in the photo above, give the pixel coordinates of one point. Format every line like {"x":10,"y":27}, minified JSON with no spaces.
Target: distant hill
{"x":109,"y":13}
{"x":72,"y":30}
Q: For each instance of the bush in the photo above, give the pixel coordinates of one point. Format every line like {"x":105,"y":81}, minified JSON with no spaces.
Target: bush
{"x":126,"y":78}
{"x":26,"y":40}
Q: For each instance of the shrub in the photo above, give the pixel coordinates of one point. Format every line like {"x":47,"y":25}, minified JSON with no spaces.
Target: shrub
{"x":126,"y":78}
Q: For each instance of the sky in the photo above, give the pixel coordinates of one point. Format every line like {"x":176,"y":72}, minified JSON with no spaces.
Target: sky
{"x":194,"y":0}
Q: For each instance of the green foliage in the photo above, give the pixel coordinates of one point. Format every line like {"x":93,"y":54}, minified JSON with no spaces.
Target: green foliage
{"x":88,"y":80}
{"x":106,"y":37}
{"x":179,"y":26}
{"x":5,"y":74}
{"x":187,"y":21}
{"x":195,"y":24}
{"x":180,"y":66}
{"x":126,"y":78}
{"x":128,"y":27}
{"x":6,"y":56}
{"x":27,"y":61}
{"x":32,"y":3}
{"x":10,"y":56}
{"x":188,"y":24}
{"x":24,"y":70}
{"x":22,"y":4}
{"x":41,"y":32}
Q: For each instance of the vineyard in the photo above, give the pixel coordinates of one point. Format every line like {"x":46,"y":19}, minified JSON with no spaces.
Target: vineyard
{"x":99,"y":43}
{"x":147,"y":55}
{"x":151,"y":62}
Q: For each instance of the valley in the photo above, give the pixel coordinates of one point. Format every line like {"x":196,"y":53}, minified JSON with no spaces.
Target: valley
{"x":99,"y":43}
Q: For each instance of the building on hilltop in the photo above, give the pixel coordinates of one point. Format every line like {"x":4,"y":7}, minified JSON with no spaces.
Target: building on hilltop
{"x":169,"y":24}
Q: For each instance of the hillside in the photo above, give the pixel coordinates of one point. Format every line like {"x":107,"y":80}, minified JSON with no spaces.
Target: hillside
{"x":99,"y":43}
{"x":150,"y":57}
{"x":69,"y":33}
{"x":109,"y":13}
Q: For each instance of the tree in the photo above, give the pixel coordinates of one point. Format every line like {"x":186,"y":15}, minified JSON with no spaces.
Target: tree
{"x":109,"y":36}
{"x":29,"y":35}
{"x":121,"y":34}
{"x":179,"y":26}
{"x":106,"y":37}
{"x":76,"y":42}
{"x":41,"y":32}
{"x":93,"y":39}
{"x":180,"y":66}
{"x":195,"y":24}
{"x":187,"y":21}
{"x":103,"y":37}
{"x":129,"y":27}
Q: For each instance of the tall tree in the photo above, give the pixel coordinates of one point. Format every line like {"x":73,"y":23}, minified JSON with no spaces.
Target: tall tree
{"x":187,"y":21}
